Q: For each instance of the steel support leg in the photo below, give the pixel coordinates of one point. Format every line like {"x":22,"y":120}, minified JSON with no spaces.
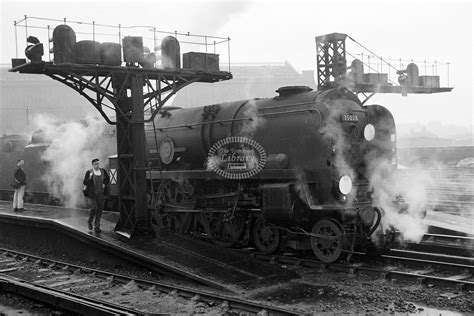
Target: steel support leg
{"x":132,"y":159}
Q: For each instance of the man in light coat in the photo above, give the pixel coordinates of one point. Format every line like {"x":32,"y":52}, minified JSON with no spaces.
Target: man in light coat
{"x":19,"y":178}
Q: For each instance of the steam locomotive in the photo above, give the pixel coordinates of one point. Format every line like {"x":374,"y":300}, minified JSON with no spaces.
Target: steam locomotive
{"x":289,"y":171}
{"x":286,"y":171}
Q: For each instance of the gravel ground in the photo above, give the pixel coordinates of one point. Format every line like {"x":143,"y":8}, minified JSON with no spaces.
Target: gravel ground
{"x":330,"y":292}
{"x":319,"y":292}
{"x":11,"y":304}
{"x":134,"y":271}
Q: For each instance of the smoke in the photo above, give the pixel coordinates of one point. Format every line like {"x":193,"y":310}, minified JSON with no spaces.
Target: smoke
{"x":255,"y":122}
{"x":302,"y":190}
{"x":333,"y":132}
{"x":349,"y":81}
{"x":72,"y":147}
{"x":411,"y":190}
{"x":213,"y":16}
{"x":403,"y":198}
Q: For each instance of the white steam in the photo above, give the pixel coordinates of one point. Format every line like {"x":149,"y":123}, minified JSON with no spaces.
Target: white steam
{"x":72,"y":147}
{"x":255,"y":122}
{"x":333,"y":132}
{"x":302,"y":190}
{"x":413,"y":189}
{"x":213,"y":16}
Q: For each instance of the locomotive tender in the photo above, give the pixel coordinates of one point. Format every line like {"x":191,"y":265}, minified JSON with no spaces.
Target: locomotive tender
{"x":289,"y":170}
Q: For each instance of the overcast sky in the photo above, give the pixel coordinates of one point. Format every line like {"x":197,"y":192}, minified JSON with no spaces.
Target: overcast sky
{"x":277,"y":31}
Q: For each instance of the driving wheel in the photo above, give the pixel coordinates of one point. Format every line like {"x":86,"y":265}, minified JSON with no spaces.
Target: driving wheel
{"x":327,"y":241}
{"x":223,"y":231}
{"x":171,"y":201}
{"x":265,"y":238}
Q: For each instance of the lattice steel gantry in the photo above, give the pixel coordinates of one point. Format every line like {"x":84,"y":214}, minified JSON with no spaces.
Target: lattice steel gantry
{"x":330,"y":59}
{"x":126,"y":90}
{"x":369,"y":75}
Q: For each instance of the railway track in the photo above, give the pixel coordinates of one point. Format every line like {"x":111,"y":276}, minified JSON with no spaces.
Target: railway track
{"x":451,"y":189}
{"x":399,"y":267}
{"x":455,"y":246}
{"x":62,"y":301}
{"x":91,"y":291}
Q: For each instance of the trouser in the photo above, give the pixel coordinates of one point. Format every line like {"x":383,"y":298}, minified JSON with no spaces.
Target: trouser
{"x":96,"y":204}
{"x":18,"y":197}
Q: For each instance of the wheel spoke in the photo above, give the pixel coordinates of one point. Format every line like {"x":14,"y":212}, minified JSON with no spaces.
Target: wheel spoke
{"x":171,"y":193}
{"x":266,"y":239}
{"x":327,"y":250}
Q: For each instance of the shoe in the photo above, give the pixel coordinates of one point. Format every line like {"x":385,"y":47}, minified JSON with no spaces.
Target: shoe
{"x":21,"y":209}
{"x":90,"y":226}
{"x":97,"y":229}
{"x":15,"y":209}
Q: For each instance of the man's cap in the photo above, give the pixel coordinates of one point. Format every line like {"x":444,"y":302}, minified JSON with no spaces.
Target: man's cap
{"x":95,"y":160}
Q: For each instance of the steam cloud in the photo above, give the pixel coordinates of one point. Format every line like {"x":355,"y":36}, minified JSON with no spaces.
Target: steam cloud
{"x":388,"y":184}
{"x":334,"y":133}
{"x":213,"y":16}
{"x":72,"y":147}
{"x":249,"y":127}
{"x":413,"y":189}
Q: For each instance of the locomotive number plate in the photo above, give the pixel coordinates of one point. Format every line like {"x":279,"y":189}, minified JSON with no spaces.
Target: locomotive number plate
{"x":349,"y":118}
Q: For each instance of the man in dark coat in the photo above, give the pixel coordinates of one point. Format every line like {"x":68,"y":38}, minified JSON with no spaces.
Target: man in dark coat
{"x":96,"y":181}
{"x":19,"y":178}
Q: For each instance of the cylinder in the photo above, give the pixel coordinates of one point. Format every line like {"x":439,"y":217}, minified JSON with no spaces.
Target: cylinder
{"x":413,"y":75}
{"x":64,"y":44}
{"x":111,"y":54}
{"x":88,"y":52}
{"x":357,"y":71}
{"x":132,"y":49}
{"x":170,"y":53}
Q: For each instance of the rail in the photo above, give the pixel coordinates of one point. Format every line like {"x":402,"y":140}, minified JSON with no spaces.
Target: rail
{"x":431,"y":272}
{"x":106,"y":277}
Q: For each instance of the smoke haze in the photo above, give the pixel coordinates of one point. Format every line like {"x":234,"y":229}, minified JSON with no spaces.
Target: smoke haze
{"x":389,"y":185}
{"x":72,"y":147}
{"x":249,"y":127}
{"x":334,"y":133}
{"x":413,"y":189}
{"x":214,"y":16}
